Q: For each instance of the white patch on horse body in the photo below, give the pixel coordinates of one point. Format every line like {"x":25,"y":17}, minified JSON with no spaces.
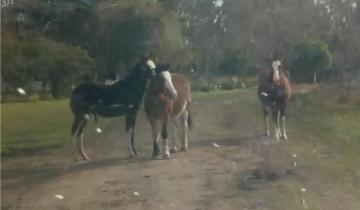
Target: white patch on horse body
{"x":276,"y":75}
{"x":264,"y":94}
{"x":168,"y":83}
{"x":151,"y":64}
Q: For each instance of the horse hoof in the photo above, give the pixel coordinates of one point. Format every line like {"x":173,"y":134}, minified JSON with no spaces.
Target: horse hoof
{"x":184,"y":148}
{"x":174,"y":149}
{"x":86,"y":158}
{"x":133,"y":155}
{"x":166,"y":156}
{"x":285,"y":137}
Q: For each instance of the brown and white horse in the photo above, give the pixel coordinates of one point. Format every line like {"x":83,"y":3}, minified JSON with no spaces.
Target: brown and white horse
{"x":167,"y":99}
{"x":274,"y":91}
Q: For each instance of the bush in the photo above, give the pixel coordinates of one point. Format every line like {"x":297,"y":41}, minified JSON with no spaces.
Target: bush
{"x":234,"y":62}
{"x":43,"y":59}
{"x":309,"y":58}
{"x":34,"y":98}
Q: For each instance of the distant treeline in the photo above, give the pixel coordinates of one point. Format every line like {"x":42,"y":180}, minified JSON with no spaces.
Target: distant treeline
{"x":61,"y":43}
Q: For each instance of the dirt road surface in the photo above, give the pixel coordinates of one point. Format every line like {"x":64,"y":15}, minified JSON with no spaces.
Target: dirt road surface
{"x":246,"y":171}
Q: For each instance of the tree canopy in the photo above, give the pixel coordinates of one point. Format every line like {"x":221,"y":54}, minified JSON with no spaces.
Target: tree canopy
{"x":215,"y":37}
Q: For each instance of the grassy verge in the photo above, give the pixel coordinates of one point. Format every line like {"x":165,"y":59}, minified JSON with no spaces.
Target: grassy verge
{"x":34,"y":126}
{"x":331,"y":129}
{"x":29,"y":127}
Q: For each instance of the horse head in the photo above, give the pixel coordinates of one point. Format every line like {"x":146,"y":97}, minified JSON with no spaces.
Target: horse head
{"x":163,"y":82}
{"x":276,"y":74}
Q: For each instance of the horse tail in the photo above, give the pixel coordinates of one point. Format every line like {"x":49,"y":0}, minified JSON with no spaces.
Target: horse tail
{"x":189,"y":117}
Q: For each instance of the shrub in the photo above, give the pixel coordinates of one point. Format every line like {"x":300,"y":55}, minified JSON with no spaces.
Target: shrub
{"x":309,"y":58}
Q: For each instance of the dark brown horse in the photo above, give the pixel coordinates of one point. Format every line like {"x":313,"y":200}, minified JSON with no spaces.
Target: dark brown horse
{"x":274,"y":92}
{"x":122,"y":98}
{"x":167,"y":99}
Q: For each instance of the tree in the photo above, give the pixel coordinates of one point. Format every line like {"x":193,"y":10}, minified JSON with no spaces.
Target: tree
{"x":45,"y":60}
{"x":309,"y":58}
{"x":60,"y":64}
{"x":234,"y":62}
{"x":13,"y":64}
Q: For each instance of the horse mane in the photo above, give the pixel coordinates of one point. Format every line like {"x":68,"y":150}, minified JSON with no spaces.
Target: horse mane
{"x":132,"y":75}
{"x":267,"y":74}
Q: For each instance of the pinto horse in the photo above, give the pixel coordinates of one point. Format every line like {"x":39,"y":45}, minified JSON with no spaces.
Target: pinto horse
{"x":274,"y":91}
{"x":166,"y":100}
{"x":122,"y":98}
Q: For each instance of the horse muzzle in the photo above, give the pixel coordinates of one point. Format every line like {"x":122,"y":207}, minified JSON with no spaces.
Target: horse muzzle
{"x":171,"y":94}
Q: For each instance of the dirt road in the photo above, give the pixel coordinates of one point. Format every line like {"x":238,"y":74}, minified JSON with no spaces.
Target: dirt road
{"x":246,"y":171}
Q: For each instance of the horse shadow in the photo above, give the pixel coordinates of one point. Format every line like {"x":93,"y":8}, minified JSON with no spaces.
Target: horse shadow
{"x":47,"y":173}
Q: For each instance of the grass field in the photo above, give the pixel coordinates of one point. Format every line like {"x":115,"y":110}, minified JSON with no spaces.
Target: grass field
{"x":29,"y":127}
{"x":35,"y":126}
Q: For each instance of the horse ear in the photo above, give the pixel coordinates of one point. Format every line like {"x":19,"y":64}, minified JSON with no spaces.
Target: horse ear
{"x":142,"y":58}
{"x":150,"y":56}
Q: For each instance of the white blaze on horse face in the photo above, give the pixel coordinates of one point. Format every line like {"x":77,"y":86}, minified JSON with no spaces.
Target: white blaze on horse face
{"x":169,"y":86}
{"x":276,"y":75}
{"x":151,"y":64}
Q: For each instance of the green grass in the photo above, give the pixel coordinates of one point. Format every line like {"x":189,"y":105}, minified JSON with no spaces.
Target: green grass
{"x":44,"y":124}
{"x":332,"y":129}
{"x":34,"y":126}
{"x":219,"y":94}
{"x":28,"y":127}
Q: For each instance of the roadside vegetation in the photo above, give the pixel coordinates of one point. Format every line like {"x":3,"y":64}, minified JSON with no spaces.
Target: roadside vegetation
{"x":50,"y":46}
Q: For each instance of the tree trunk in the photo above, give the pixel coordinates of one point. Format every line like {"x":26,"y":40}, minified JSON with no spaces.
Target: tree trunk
{"x":43,"y":91}
{"x":55,"y":91}
{"x":315,"y":77}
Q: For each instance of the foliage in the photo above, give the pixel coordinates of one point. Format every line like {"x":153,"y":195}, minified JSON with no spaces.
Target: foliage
{"x":234,"y":63}
{"x":201,"y":35}
{"x":45,"y":60}
{"x":308,"y":57}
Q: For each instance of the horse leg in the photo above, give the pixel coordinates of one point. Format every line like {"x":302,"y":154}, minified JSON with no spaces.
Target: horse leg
{"x":184,"y":128}
{"x":74,"y":130}
{"x":276,"y":122}
{"x":267,"y":124}
{"x":80,"y":139}
{"x":172,"y":129}
{"x":130,"y":128}
{"x":282,"y":115}
{"x":164,"y":135}
{"x":155,"y":135}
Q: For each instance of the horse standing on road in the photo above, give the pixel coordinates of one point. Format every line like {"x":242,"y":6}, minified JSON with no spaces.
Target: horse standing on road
{"x":166,"y":99}
{"x":274,"y":91}
{"x":123,"y":98}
